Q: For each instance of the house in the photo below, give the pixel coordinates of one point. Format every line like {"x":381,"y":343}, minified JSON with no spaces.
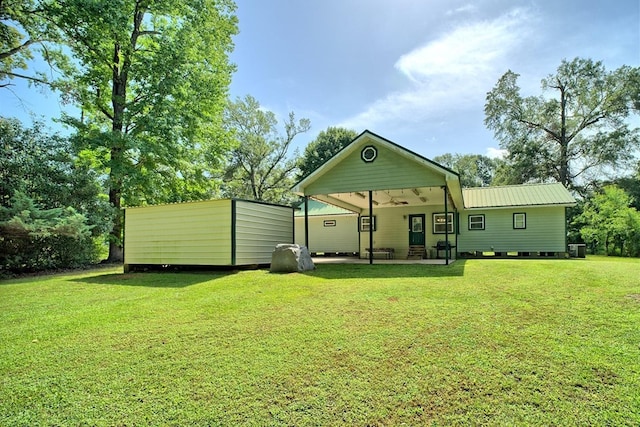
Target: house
{"x":410,"y":206}
{"x":228,"y":232}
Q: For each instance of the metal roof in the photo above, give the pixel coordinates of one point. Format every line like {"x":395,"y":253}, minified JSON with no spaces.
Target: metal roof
{"x":319,"y":208}
{"x":517,"y":195}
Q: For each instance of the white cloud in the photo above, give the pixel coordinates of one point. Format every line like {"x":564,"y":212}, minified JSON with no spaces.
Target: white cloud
{"x":451,"y":73}
{"x":496,"y":153}
{"x":462,"y":9}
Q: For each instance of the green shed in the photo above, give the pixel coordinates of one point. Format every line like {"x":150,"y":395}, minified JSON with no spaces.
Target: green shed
{"x":228,"y":232}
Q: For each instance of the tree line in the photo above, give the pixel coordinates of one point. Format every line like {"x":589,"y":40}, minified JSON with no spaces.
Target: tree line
{"x":155,"y":125}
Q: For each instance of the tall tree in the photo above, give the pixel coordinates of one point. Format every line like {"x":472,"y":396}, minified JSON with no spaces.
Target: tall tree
{"x":261,"y":167}
{"x":579,"y":124}
{"x":326,"y":145}
{"x":152,"y":87}
{"x":475,"y":170}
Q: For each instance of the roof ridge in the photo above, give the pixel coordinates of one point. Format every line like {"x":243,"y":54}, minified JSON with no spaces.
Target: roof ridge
{"x":511,"y":186}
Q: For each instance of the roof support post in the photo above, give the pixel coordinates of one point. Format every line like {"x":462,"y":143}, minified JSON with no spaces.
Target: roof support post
{"x":370,"y":227}
{"x":306,"y":222}
{"x":446,"y":225}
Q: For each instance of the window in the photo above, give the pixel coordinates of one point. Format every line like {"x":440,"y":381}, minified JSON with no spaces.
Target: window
{"x":519,"y":220}
{"x":367,"y":222}
{"x":476,"y":222}
{"x":439,"y":224}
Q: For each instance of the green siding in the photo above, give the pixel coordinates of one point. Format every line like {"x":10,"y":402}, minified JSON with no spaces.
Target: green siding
{"x":545,"y":231}
{"x":341,"y":238}
{"x":197,"y":233}
{"x":259,"y":228}
{"x":390,"y":170}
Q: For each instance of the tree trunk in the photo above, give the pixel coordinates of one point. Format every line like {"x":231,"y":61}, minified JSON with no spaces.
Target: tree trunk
{"x":118,"y":97}
{"x":564,"y":160}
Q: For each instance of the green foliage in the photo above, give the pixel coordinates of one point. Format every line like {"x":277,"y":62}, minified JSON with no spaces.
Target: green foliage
{"x":326,"y":145}
{"x":475,"y":170}
{"x":611,"y":223}
{"x":32,"y":238}
{"x":42,"y":167}
{"x":496,"y":343}
{"x":260,"y":167}
{"x":578,"y":126}
{"x":53,"y":211}
{"x":24,"y":30}
{"x":152,"y":86}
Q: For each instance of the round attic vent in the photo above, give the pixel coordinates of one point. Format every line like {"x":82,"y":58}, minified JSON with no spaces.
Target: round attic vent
{"x":369,"y":153}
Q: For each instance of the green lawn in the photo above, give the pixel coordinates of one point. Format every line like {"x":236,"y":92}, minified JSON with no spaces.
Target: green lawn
{"x":496,"y":342}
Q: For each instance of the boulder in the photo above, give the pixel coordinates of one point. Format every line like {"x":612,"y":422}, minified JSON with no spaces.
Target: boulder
{"x":288,"y":258}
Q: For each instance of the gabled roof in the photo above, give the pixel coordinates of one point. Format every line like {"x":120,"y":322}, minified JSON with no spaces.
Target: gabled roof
{"x":344,"y":178}
{"x":517,"y":195}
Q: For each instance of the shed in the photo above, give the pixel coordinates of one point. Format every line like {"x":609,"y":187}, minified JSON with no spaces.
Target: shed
{"x":227,"y":232}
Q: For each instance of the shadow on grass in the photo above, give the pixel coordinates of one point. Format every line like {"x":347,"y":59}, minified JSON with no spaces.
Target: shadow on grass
{"x":366,"y":271}
{"x":155,"y":279}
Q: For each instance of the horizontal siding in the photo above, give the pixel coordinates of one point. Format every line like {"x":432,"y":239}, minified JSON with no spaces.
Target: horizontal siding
{"x":392,"y":229}
{"x":197,"y":233}
{"x":341,"y":238}
{"x":545,"y":231}
{"x":259,"y":228}
{"x":389,"y":170}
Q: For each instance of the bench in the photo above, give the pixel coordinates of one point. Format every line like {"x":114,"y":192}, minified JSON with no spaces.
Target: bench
{"x":388,"y":253}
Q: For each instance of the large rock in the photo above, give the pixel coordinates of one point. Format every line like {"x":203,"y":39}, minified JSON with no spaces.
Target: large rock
{"x":288,"y":258}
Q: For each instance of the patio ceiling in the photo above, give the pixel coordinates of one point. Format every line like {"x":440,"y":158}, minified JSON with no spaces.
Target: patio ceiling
{"x":358,"y":201}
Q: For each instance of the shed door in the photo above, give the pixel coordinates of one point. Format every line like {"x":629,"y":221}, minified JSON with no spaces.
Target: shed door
{"x":416,"y":229}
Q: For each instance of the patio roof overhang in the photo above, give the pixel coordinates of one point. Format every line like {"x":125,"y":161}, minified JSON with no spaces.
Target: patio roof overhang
{"x":395,"y":176}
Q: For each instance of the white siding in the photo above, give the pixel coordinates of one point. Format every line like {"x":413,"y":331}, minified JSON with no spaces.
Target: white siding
{"x":341,"y":238}
{"x":197,"y":233}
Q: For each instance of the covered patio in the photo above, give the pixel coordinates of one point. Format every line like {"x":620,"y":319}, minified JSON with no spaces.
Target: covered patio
{"x":356,"y":260}
{"x":407,"y":204}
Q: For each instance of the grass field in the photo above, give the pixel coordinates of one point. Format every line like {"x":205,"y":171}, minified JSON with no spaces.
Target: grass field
{"x":490,"y":342}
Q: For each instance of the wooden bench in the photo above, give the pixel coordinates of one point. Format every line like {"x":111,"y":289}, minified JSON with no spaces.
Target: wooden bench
{"x":388,"y":253}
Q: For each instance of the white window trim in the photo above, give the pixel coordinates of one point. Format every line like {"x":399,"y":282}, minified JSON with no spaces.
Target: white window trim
{"x":522,"y":219}
{"x":482,"y":223}
{"x":449,"y":222}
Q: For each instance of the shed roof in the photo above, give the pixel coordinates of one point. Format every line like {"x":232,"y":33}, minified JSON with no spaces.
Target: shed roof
{"x":554,"y":194}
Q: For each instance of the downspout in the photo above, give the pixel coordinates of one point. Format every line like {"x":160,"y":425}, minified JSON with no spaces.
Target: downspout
{"x":370,"y":227}
{"x":446,"y":225}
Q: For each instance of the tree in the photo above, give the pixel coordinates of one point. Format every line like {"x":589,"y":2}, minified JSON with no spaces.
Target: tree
{"x":578,"y":125}
{"x":475,"y":170}
{"x":51,"y":210}
{"x":24,"y":28}
{"x":260,"y":168}
{"x":326,"y":145}
{"x":611,"y":222}
{"x":152,"y":86}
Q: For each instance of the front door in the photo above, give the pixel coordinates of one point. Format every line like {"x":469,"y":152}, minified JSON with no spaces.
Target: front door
{"x":416,"y":229}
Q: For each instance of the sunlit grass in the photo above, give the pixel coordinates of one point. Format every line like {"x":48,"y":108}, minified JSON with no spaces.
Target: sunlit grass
{"x":499,"y":342}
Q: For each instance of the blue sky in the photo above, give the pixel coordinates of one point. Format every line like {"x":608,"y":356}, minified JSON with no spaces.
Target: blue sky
{"x":417,"y":71}
{"x":413,"y":71}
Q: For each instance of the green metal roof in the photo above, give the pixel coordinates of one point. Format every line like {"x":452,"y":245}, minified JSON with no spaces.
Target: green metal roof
{"x":317,"y":208}
{"x":517,"y":195}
